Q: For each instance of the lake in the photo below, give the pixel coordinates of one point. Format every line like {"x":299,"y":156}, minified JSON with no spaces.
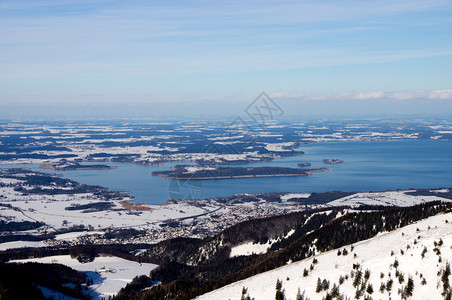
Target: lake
{"x":367,"y":166}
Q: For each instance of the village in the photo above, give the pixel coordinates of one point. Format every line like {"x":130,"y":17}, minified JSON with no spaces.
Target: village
{"x":66,"y":219}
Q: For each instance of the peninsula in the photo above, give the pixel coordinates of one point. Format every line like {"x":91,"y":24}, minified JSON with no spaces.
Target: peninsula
{"x":70,"y":166}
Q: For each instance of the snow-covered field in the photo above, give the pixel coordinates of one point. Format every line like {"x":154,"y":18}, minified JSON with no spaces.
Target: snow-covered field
{"x":21,"y":244}
{"x":392,"y":198}
{"x":403,"y":247}
{"x":279,"y":146}
{"x":74,"y":235}
{"x":105,"y":283}
{"x":50,"y":209}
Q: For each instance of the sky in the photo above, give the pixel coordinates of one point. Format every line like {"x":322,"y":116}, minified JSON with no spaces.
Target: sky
{"x":217,"y":56}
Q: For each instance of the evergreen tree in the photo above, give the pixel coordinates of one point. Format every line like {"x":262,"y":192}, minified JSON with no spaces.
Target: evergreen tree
{"x":278,"y":285}
{"x":366,"y":275}
{"x":335,"y":291}
{"x":358,"y":293}
{"x":318,"y":288}
{"x":396,"y":263}
{"x":445,"y":277}
{"x":279,"y":294}
{"x":389,"y":285}
{"x":410,"y":287}
{"x":358,"y":278}
{"x":243,"y":293}
{"x":370,"y":289}
{"x":299,"y":296}
{"x":423,"y":252}
{"x":325,"y":285}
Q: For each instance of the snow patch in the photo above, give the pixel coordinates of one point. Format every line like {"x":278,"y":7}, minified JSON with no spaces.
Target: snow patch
{"x":294,"y":196}
{"x":249,"y":249}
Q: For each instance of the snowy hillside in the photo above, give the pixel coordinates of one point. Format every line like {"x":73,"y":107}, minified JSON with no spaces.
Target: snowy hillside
{"x":386,"y":266}
{"x":109,"y":273}
{"x":390,"y":198}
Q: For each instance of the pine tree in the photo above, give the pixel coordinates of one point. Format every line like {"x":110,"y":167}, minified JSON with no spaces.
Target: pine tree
{"x":299,"y":296}
{"x":389,"y":284}
{"x":335,"y":291}
{"x":243,"y":293}
{"x":279,"y":294}
{"x":396,"y":263}
{"x":325,"y":285}
{"x":423,"y":252}
{"x":358,"y":278}
{"x":318,"y":288}
{"x":366,"y":275}
{"x":410,"y":287}
{"x":358,"y":293}
{"x":278,"y":285}
{"x":445,"y":277}
{"x":370,"y":289}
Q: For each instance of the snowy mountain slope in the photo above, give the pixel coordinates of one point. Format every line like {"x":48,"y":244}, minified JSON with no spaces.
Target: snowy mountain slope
{"x":390,"y":198}
{"x":387,"y":255}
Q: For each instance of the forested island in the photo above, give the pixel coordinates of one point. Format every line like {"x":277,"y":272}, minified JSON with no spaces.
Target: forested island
{"x":180,"y":172}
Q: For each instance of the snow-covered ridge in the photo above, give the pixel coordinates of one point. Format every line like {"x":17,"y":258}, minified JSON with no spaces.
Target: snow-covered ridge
{"x":388,"y":257}
{"x":391,"y":198}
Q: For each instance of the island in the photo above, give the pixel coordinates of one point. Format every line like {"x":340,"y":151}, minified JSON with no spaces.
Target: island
{"x":199,"y":173}
{"x":332,"y":161}
{"x":303,"y":165}
{"x":70,"y":166}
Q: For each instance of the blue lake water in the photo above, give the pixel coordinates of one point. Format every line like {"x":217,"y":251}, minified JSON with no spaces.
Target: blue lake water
{"x":367,"y":166}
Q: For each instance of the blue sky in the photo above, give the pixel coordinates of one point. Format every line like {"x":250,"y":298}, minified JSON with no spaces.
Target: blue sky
{"x":69,"y":52}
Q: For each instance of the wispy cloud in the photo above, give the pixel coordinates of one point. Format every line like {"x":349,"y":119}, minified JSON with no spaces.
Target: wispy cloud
{"x":445,"y":94}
